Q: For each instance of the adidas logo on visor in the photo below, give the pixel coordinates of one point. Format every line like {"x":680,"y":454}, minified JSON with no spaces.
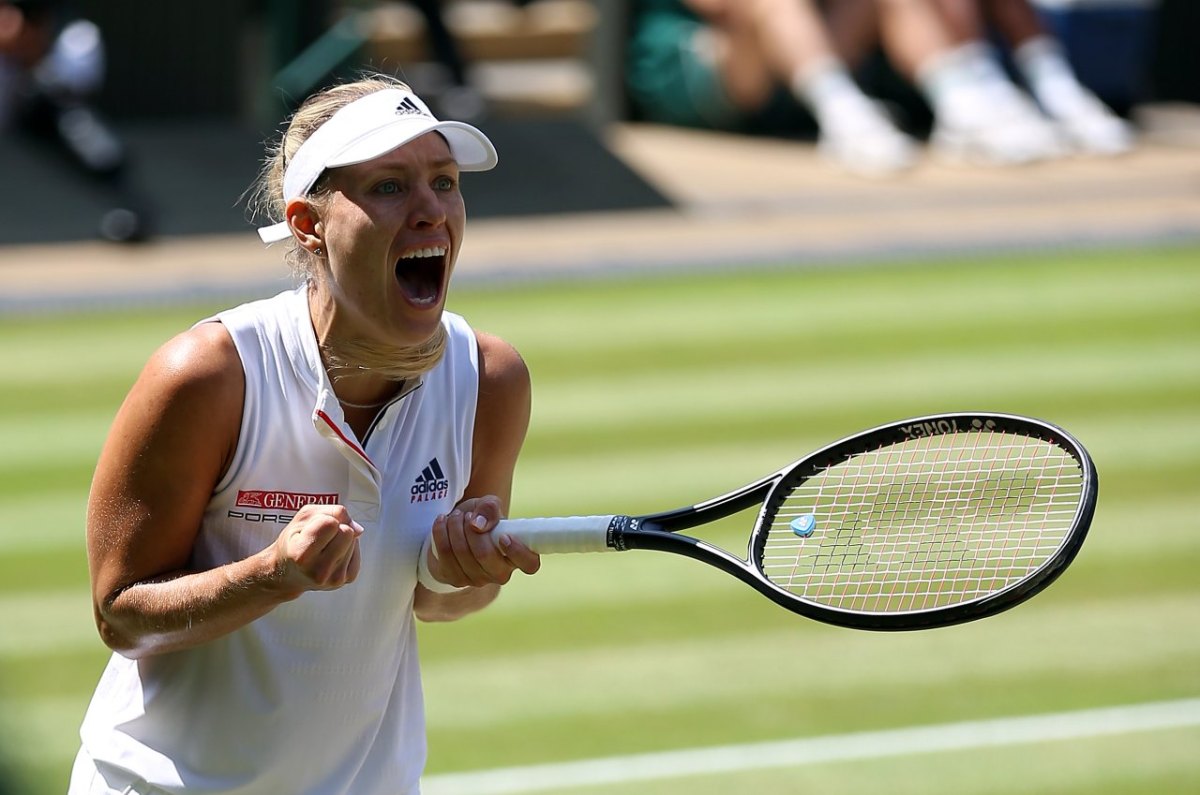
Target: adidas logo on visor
{"x":431,"y":484}
{"x":407,"y":108}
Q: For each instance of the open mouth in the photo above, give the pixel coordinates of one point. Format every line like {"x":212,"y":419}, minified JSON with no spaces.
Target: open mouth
{"x":420,"y":274}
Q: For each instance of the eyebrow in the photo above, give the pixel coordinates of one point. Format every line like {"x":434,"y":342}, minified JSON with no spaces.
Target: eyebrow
{"x":442,"y":162}
{"x":406,"y":168}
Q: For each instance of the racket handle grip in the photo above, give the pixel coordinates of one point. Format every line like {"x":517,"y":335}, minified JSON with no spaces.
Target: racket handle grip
{"x":560,"y":534}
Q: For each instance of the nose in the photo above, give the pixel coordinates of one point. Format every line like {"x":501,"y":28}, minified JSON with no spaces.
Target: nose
{"x":425,"y":208}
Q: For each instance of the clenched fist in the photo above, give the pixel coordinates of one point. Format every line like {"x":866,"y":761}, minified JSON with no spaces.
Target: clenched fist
{"x":318,"y":550}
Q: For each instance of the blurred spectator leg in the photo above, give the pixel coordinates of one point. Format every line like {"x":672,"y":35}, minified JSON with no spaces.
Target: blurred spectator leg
{"x":459,"y":99}
{"x":725,"y":64}
{"x":980,"y":115}
{"x":855,"y":132}
{"x":1088,"y":125}
{"x":760,"y":44}
{"x":57,"y":109}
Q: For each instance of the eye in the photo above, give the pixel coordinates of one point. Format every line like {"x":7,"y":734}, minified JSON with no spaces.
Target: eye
{"x":444,"y":183}
{"x":388,"y":187}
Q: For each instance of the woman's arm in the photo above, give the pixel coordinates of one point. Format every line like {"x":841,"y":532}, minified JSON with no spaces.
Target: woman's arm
{"x":171,"y":442}
{"x":463,"y":553}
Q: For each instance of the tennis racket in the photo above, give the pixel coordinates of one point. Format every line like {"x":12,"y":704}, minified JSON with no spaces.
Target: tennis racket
{"x":922,"y":523}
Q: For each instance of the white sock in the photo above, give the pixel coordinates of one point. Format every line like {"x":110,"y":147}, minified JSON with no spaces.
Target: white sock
{"x":1050,"y":78}
{"x":1087,"y":121}
{"x":945,"y":76}
{"x":853,"y":130}
{"x":828,"y":90}
{"x":967,"y":84}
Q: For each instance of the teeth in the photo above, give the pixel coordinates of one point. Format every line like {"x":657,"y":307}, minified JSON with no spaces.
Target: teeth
{"x":433,"y":251}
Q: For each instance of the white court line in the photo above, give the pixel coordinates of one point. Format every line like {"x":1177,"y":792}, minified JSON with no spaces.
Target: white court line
{"x":812,"y":750}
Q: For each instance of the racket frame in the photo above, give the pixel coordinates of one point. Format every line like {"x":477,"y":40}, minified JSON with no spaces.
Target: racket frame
{"x":661,"y":531}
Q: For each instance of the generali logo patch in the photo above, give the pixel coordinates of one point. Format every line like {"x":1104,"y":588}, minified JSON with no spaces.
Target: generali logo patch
{"x":282,"y":500}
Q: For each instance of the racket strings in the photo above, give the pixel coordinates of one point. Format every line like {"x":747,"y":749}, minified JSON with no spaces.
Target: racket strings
{"x":926,"y":523}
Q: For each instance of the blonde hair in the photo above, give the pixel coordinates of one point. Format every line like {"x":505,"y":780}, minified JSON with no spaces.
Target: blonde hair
{"x":266,"y":196}
{"x":348,"y":356}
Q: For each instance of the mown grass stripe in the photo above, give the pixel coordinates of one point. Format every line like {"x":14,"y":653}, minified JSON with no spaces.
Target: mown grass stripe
{"x":1035,"y":290}
{"x":41,"y":622}
{"x":707,"y":762}
{"x":731,"y":383}
{"x":1021,"y":645}
{"x":33,"y":731}
{"x":754,"y":330}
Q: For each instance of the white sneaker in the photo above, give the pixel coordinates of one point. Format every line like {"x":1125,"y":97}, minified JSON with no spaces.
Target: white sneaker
{"x":861,"y":139}
{"x":995,"y":126}
{"x":1086,"y":123}
{"x":1091,"y":128}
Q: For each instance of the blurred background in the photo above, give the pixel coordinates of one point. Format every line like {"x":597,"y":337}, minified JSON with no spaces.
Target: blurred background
{"x":754,"y":288}
{"x":180,"y":98}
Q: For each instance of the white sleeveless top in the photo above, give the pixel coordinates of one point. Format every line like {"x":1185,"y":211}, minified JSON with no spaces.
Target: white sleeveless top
{"x":322,"y":695}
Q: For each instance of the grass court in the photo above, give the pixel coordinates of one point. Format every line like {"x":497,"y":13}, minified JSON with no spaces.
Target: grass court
{"x":660,"y":391}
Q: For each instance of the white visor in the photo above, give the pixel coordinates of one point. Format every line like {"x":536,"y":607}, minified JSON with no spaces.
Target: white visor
{"x":366,"y":129}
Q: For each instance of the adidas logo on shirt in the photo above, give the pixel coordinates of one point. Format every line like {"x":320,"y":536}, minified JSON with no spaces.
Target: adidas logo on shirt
{"x":407,"y":108}
{"x":431,"y":484}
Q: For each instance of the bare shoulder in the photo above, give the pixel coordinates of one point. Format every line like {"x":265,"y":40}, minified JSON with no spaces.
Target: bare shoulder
{"x":203,"y":357}
{"x":188,"y":399}
{"x":501,"y":367}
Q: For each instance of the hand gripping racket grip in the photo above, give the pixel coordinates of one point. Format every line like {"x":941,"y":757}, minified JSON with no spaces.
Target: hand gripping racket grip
{"x":562,"y":534}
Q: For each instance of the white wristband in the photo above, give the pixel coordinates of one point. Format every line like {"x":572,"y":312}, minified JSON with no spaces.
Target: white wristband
{"x":425,"y":576}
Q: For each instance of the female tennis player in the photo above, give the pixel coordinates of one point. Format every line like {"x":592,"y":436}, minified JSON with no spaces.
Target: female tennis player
{"x":291,"y":481}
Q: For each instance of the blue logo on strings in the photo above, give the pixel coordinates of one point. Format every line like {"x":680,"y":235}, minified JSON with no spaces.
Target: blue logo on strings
{"x":804,"y":525}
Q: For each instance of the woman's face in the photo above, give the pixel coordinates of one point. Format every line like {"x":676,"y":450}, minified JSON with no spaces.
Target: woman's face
{"x":391,"y":231}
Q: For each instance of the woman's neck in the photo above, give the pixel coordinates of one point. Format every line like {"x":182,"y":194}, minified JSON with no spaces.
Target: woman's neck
{"x":355,"y":353}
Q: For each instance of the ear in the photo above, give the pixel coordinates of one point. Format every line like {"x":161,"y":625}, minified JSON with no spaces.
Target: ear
{"x":305,"y":224}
